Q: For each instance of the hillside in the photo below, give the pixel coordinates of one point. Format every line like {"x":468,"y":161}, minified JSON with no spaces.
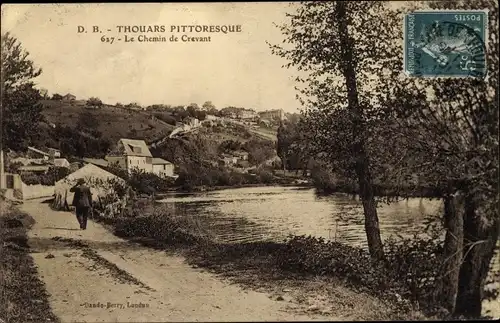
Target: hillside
{"x":209,"y":142}
{"x":114,"y":122}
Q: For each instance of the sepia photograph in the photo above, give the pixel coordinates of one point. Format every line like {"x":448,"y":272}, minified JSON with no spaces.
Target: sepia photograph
{"x":249,"y":161}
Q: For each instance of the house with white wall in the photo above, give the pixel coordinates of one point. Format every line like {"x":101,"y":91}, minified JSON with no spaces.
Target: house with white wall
{"x":131,"y":154}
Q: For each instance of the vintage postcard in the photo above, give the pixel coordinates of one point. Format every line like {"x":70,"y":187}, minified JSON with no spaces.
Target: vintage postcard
{"x":249,"y":161}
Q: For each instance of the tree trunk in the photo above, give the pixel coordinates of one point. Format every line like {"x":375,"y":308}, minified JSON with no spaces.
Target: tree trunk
{"x":480,"y":239}
{"x":452,"y":254}
{"x":370,"y":209}
{"x":362,"y":162}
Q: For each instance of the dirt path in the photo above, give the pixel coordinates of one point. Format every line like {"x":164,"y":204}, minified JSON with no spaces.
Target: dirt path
{"x":94,"y":276}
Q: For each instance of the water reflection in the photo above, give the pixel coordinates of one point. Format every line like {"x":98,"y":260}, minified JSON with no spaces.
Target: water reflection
{"x":272,"y":213}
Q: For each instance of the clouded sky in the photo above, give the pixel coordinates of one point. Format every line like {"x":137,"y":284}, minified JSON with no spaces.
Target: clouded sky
{"x":233,"y":69}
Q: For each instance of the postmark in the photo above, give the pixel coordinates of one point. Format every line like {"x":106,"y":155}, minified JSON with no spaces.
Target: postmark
{"x":445,"y":43}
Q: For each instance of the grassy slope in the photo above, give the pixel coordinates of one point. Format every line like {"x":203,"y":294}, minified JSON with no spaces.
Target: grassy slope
{"x":23,"y":297}
{"x":115,"y":122}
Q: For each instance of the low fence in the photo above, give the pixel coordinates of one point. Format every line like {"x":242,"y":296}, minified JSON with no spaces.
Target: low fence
{"x":36,"y":191}
{"x":23,"y":191}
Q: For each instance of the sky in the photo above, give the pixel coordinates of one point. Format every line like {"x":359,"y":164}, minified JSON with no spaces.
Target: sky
{"x":233,"y":69}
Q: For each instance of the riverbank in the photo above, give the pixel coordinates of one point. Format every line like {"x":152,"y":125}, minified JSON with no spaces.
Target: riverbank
{"x":23,"y":295}
{"x":305,"y":263}
{"x":198,"y":189}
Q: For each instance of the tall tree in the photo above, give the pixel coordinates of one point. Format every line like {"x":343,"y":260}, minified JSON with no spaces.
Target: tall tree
{"x":208,"y":106}
{"x":339,"y":45}
{"x":454,"y":128}
{"x":95,"y":102}
{"x":21,"y":110}
{"x":285,"y":136}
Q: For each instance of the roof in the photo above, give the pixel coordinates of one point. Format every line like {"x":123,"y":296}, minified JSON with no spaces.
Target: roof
{"x":96,"y":161}
{"x":38,"y":151}
{"x":160,"y":161}
{"x":34,"y":168}
{"x":135,"y":148}
{"x":93,"y":175}
{"x":61,"y":162}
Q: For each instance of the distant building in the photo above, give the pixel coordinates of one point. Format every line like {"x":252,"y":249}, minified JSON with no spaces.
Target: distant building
{"x":243,"y":155}
{"x":245,"y":114}
{"x":80,"y":103}
{"x":211,"y":117}
{"x":37,"y":153}
{"x":228,"y":160}
{"x":161,"y":167}
{"x":96,"y":161}
{"x":277,"y":114}
{"x":54,"y":153}
{"x":69,"y":97}
{"x":265,"y":123}
{"x":61,"y":162}
{"x":192,"y":122}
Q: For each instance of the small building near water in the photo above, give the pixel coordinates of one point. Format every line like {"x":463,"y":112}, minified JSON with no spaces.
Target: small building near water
{"x":162,"y":167}
{"x":61,"y":162}
{"x":95,"y":177}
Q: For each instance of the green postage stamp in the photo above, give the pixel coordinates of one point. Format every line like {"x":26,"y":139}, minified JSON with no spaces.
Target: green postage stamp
{"x":445,"y":43}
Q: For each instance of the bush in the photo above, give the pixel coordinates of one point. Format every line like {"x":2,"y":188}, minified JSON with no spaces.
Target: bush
{"x":327,"y":181}
{"x":144,"y":182}
{"x":155,"y":221}
{"x":265,"y":176}
{"x":30,"y":178}
{"x":53,"y":175}
{"x":410,"y":269}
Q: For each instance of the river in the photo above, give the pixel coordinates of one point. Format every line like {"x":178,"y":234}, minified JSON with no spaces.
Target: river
{"x":273,"y":213}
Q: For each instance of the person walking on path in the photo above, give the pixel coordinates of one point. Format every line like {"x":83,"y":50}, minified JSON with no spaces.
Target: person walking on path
{"x":82,"y":201}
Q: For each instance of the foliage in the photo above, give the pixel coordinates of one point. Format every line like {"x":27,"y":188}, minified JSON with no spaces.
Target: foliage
{"x":93,"y":101}
{"x":409,"y":271}
{"x":21,"y":116}
{"x":13,"y":167}
{"x":86,"y":142}
{"x":87,"y":121}
{"x":448,"y":135}
{"x":49,"y":178}
{"x":259,"y":150}
{"x":21,"y":111}
{"x":325,"y":181}
{"x":17,"y":69}
{"x":166,"y":117}
{"x":141,"y":181}
{"x":283,"y":145}
{"x":328,"y":41}
{"x":230,"y":145}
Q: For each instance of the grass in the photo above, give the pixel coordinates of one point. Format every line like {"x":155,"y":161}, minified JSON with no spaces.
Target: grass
{"x":23,"y":295}
{"x":115,"y":122}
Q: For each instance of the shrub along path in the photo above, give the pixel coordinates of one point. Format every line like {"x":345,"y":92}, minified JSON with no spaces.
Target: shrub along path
{"x":93,"y":275}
